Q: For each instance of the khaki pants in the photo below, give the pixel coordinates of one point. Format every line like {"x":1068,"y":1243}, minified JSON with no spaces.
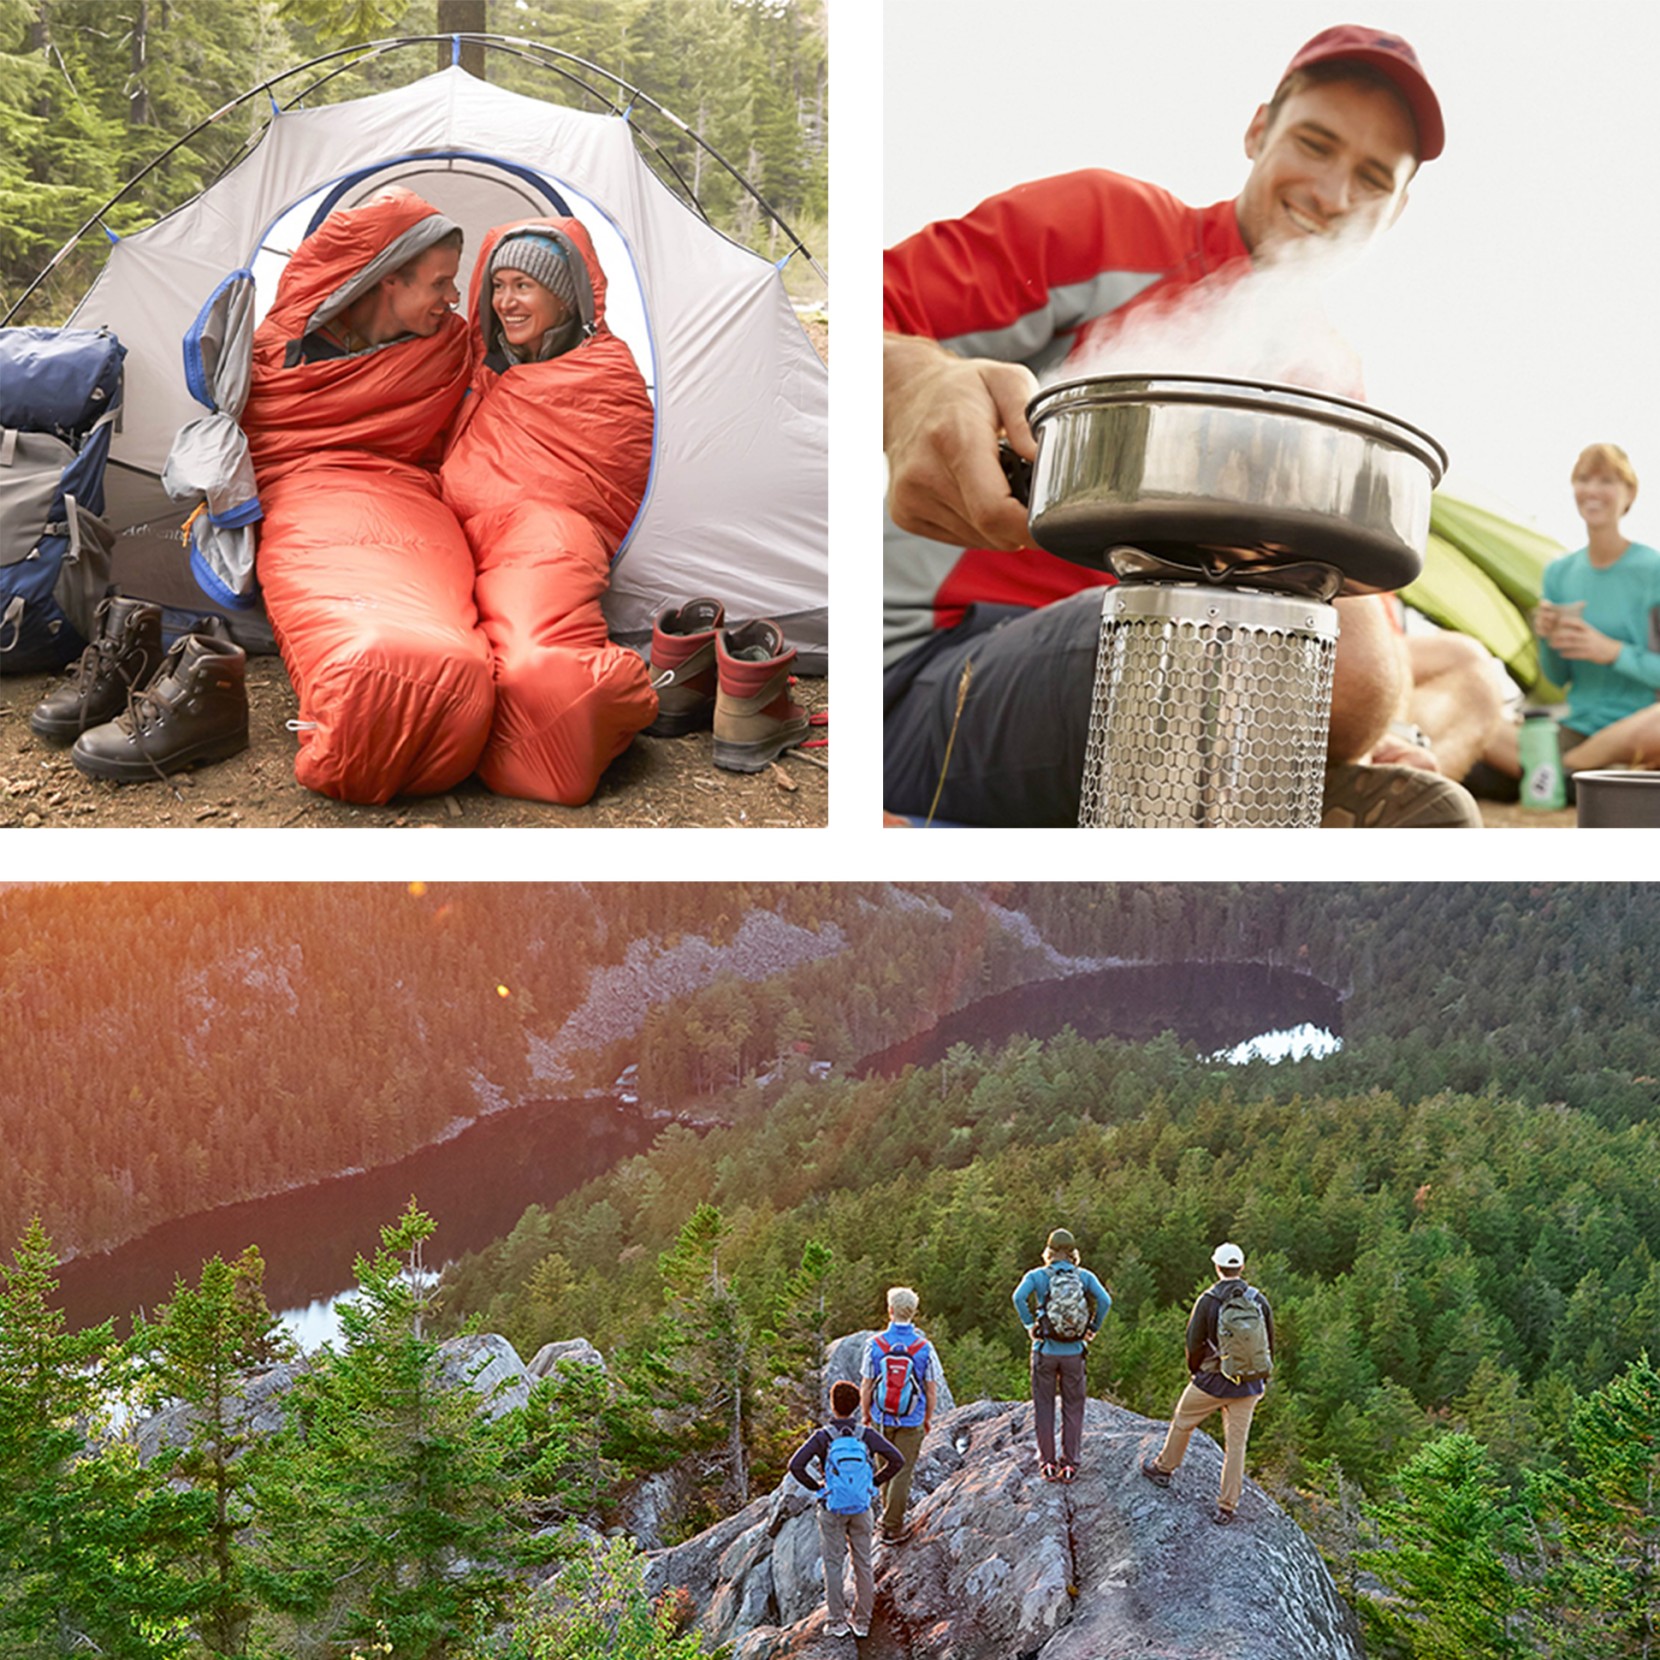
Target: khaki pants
{"x":896,"y":1494}
{"x":839,"y":1537}
{"x":1191,"y":1411}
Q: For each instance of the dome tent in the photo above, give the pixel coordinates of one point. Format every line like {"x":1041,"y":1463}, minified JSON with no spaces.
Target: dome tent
{"x":737,"y":503}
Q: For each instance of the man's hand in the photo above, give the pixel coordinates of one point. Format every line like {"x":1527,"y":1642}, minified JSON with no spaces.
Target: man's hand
{"x":1579,"y":642}
{"x":1392,"y":750}
{"x":941,"y":417}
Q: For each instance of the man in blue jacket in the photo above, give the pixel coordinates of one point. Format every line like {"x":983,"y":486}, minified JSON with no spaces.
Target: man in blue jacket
{"x":897,"y":1393}
{"x":1212,"y":1388}
{"x":1061,"y":1305}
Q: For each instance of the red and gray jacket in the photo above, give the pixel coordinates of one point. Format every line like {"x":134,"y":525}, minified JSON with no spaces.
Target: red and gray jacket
{"x":1030,"y":277}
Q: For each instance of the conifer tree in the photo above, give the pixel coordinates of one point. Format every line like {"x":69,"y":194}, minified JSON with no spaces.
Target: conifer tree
{"x":383,"y":1510}
{"x":82,"y":1537}
{"x":1449,"y":1537}
{"x":1603,"y":1518}
{"x":197,"y":1356}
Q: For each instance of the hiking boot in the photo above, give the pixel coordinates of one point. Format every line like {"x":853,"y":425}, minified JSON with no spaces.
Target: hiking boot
{"x":840,"y":1629}
{"x":755,"y":718}
{"x":1158,"y":1477}
{"x":1223,"y":1518}
{"x":683,"y":647}
{"x":861,"y":1632}
{"x":122,"y":657}
{"x":1361,"y":796}
{"x":196,"y":709}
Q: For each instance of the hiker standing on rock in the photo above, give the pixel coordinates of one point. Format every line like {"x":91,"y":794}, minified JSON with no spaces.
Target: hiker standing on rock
{"x":844,"y":1453}
{"x":1061,"y":1305}
{"x":1230,"y":1346}
{"x":897,"y":1393}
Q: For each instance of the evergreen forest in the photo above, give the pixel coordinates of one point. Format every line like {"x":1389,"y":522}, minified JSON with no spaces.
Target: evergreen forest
{"x":93,"y":91}
{"x":1457,"y":1217}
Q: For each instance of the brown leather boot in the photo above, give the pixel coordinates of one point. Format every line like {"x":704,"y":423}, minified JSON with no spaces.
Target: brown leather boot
{"x":196,"y":709}
{"x":683,"y":646}
{"x":755,"y":717}
{"x":123,"y":656}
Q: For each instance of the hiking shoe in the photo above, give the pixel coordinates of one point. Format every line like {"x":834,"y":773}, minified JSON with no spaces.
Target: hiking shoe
{"x":123,"y":656}
{"x":1223,"y":1518}
{"x":1069,"y":1472}
{"x":1158,"y":1477}
{"x":1361,"y":796}
{"x":683,"y":650}
{"x":1050,"y":1472}
{"x":755,"y":718}
{"x":897,"y":1537}
{"x":196,"y":709}
{"x":861,"y":1631}
{"x":841,"y":1630}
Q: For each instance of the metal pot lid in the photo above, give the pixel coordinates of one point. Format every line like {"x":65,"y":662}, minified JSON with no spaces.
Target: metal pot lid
{"x":1265,"y":397}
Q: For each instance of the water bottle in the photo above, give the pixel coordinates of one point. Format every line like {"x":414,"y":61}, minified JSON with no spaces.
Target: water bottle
{"x":1543,"y":785}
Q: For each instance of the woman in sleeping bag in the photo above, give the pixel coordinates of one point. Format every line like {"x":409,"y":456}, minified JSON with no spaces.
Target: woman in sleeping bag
{"x":546,"y":470}
{"x":358,"y":368}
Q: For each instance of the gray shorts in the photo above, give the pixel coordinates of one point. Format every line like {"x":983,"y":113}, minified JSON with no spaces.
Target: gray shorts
{"x":1018,"y":755}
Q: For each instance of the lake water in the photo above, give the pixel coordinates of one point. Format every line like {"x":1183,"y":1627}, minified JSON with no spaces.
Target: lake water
{"x":478,"y":1184}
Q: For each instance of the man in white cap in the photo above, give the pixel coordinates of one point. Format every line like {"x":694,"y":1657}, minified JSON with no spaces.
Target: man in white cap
{"x":1230,"y":1344}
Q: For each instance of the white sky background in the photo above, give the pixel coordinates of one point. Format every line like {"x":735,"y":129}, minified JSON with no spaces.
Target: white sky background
{"x":1512,"y":311}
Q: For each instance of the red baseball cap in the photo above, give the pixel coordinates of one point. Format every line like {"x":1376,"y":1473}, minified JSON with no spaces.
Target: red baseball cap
{"x":1393,"y":58}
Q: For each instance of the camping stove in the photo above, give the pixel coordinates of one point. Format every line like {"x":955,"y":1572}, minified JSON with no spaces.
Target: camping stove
{"x":1232,"y":513}
{"x":1212,"y":696}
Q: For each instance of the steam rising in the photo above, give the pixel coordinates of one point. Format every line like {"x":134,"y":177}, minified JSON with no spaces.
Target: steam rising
{"x":1265,"y":321}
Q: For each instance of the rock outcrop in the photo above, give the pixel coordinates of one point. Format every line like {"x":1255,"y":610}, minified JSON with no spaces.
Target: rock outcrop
{"x":1004,"y":1566}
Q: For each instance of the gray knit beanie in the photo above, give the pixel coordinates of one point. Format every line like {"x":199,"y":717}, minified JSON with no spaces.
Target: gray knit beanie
{"x":541,"y":259}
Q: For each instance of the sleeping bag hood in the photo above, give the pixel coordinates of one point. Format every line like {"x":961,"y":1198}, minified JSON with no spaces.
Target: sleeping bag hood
{"x":393,"y":400}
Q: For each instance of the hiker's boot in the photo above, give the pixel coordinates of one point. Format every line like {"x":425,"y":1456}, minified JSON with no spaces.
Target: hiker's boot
{"x":683,"y":648}
{"x":755,"y":718}
{"x":121,"y":658}
{"x":196,"y":709}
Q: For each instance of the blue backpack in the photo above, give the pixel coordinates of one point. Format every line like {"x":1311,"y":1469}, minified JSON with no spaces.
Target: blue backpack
{"x":849,"y":1480}
{"x":59,"y":393}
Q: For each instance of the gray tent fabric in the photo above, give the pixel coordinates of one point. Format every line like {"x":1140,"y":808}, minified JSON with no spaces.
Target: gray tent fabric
{"x":737,"y":505}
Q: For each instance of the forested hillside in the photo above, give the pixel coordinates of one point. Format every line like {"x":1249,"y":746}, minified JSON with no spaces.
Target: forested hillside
{"x":93,"y":90}
{"x":175,"y":1048}
{"x":1466,"y":1287}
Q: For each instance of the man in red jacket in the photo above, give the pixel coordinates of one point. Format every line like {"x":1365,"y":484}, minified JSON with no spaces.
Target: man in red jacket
{"x":976,"y":309}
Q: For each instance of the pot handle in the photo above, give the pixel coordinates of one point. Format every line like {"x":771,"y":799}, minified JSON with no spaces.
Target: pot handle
{"x":1017,"y":470}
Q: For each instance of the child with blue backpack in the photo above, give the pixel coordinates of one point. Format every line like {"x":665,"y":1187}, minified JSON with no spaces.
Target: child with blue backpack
{"x":844,"y":1454}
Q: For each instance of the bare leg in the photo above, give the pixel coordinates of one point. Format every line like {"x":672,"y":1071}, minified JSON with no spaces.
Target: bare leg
{"x":1634,"y":741}
{"x":1370,"y":682}
{"x":1455,"y":698}
{"x":1502,"y":749}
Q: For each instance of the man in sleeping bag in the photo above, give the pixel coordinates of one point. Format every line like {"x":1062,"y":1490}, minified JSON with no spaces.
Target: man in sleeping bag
{"x":368,"y":581}
{"x":546,"y":471}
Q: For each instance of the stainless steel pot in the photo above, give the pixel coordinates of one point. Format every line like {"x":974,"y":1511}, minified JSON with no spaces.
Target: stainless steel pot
{"x":1618,"y":800}
{"x":1256,"y":472}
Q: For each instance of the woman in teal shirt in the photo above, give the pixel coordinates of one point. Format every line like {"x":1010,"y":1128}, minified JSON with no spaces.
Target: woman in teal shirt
{"x":1599,"y":629}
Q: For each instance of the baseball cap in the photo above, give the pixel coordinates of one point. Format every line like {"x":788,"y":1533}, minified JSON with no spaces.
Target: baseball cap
{"x":1228,"y":1256}
{"x":1394,"y":59}
{"x":1061,"y":1240}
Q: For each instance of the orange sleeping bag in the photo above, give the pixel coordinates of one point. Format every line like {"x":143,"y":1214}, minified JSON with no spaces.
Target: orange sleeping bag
{"x":546,"y":470}
{"x":367,"y":578}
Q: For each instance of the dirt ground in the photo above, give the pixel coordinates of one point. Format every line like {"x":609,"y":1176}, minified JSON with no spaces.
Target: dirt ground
{"x":655,"y":783}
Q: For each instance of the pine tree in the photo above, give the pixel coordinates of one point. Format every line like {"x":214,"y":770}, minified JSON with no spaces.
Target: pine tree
{"x":197,"y":1356}
{"x":83,"y":1537}
{"x":1603,"y":1518}
{"x":383,"y":1509}
{"x":1447,"y":1542}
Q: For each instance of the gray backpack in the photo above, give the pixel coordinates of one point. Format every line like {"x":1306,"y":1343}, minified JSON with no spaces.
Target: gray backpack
{"x":1241,"y":1335}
